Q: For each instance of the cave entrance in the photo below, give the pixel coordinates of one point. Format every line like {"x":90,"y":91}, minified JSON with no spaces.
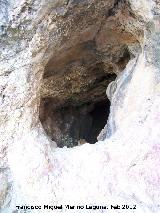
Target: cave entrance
{"x":74,"y":106}
{"x":80,"y":65}
{"x":74,"y":125}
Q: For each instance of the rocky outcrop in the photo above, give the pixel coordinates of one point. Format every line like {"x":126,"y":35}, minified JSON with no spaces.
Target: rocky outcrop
{"x":57,"y":55}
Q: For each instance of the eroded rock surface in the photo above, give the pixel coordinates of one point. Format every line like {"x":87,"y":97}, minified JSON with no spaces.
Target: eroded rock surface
{"x":67,"y":53}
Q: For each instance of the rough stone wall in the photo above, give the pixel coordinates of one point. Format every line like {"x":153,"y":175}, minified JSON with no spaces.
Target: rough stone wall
{"x":124,"y":168}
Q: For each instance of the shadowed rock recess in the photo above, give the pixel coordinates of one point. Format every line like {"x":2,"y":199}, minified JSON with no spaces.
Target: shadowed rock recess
{"x":76,"y":78}
{"x":74,"y":72}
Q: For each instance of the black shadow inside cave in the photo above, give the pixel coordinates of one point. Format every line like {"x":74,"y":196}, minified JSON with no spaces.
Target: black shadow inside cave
{"x":99,"y":116}
{"x":89,"y":121}
{"x":74,"y":125}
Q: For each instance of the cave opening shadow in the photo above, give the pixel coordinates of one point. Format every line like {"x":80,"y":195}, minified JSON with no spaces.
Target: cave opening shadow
{"x":94,"y":121}
{"x":74,"y":125}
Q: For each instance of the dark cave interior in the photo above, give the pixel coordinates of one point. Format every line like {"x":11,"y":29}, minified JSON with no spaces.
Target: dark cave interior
{"x":73,"y":125}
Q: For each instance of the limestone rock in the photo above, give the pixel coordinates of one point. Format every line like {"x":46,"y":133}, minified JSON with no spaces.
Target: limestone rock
{"x":64,"y":54}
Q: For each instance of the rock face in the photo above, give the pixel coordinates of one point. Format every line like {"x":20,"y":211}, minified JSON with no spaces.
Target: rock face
{"x":56,"y":60}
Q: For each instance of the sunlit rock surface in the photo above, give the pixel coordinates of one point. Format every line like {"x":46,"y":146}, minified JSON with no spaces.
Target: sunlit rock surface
{"x":67,"y":52}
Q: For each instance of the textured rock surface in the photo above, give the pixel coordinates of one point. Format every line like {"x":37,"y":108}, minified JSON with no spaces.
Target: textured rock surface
{"x":59,"y":50}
